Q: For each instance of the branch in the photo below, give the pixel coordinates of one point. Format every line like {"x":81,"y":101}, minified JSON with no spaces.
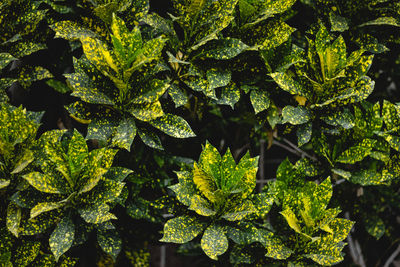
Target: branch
{"x":392,"y":257}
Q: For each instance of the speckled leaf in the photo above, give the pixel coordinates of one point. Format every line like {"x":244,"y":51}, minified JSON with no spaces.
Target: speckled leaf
{"x":182,"y":229}
{"x":156,"y":88}
{"x":110,"y":242}
{"x":71,"y":30}
{"x":44,"y":183}
{"x":173,"y":125}
{"x":291,"y":220}
{"x":39,"y":224}
{"x":150,"y":138}
{"x":147,"y":111}
{"x":341,"y":228}
{"x":343,"y":118}
{"x":4,"y":183}
{"x":97,"y":53}
{"x":368,"y":177}
{"x":288,"y":84}
{"x":276,"y":249}
{"x":5,"y":59}
{"x":338,"y":23}
{"x":185,"y":189}
{"x":343,"y":173}
{"x":390,"y":115}
{"x":240,"y":211}
{"x":26,"y":253}
{"x":23,"y":162}
{"x":29,"y":74}
{"x":214,"y":241}
{"x":222,"y":49}
{"x":374,"y":226}
{"x":125,"y":133}
{"x":381,"y":21}
{"x":117,"y":173}
{"x":44,"y":207}
{"x":178,"y":96}
{"x":96,"y":214}
{"x":13,"y":218}
{"x":394,"y":141}
{"x":259,"y":99}
{"x":230,"y":95}
{"x":295,"y":115}
{"x":218,"y":78}
{"x":201,"y":206}
{"x":358,"y":152}
{"x":62,"y":237}
{"x":304,"y":133}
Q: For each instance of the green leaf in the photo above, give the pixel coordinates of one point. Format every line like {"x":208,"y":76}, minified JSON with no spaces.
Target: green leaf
{"x":147,"y":111}
{"x":110,"y":242}
{"x":62,"y":237}
{"x":26,"y":253}
{"x":288,"y":84}
{"x":218,"y":78}
{"x":291,"y":220}
{"x":125,"y":133}
{"x":338,"y":23}
{"x":71,"y":30}
{"x":96,"y":214}
{"x":295,"y":115}
{"x":13,"y":219}
{"x":5,"y":59}
{"x":381,"y":21}
{"x":4,"y":183}
{"x":260,"y":100}
{"x":182,"y":229}
{"x":222,"y":49}
{"x":230,"y":95}
{"x":201,"y":206}
{"x":150,"y":138}
{"x":178,"y":96}
{"x":304,"y":133}
{"x":358,"y":152}
{"x":44,"y":207}
{"x":173,"y":125}
{"x":239,"y":212}
{"x":214,"y":241}
{"x":44,"y":183}
{"x":374,"y":226}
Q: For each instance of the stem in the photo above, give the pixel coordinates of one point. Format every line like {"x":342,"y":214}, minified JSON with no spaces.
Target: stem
{"x":392,"y":257}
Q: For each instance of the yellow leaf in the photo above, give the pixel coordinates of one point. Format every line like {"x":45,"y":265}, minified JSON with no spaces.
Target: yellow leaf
{"x":300,"y":99}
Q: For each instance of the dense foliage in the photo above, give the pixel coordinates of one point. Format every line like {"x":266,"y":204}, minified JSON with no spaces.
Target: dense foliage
{"x":232,"y":132}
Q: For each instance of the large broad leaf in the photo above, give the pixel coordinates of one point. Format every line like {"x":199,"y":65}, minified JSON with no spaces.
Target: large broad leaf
{"x":295,"y":115}
{"x":45,"y":183}
{"x":110,"y":241}
{"x":182,"y":229}
{"x":13,"y":218}
{"x":26,"y":253}
{"x":358,"y":152}
{"x":221,"y":49}
{"x":62,"y":237}
{"x":214,"y":241}
{"x":173,"y":125}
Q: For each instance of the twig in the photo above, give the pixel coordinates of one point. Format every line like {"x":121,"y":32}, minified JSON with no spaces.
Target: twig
{"x":392,"y":257}
{"x":302,"y":152}
{"x":275,"y":142}
{"x":261,"y":163}
{"x":355,"y":250}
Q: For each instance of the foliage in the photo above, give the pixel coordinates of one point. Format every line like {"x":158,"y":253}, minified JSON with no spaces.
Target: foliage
{"x":105,"y":106}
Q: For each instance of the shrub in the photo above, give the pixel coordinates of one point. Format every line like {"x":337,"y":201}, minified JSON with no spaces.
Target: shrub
{"x":244,"y":132}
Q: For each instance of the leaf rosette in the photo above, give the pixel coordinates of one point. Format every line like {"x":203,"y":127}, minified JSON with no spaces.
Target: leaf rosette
{"x":119,"y":92}
{"x":74,"y":188}
{"x":312,"y":229}
{"x":220,"y":192}
{"x":325,"y":81}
